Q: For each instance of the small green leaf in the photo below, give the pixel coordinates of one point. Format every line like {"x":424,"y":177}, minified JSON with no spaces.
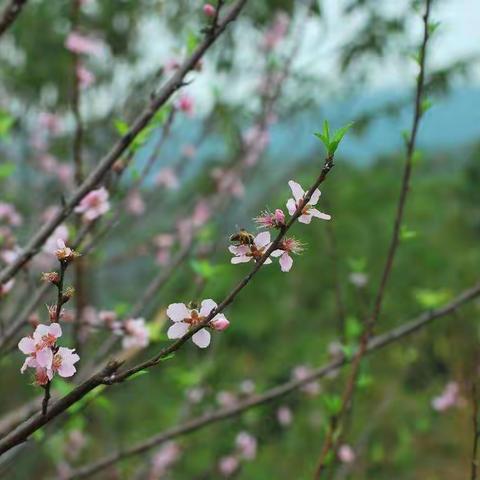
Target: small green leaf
{"x":353,"y":328}
{"x":7,"y":169}
{"x":138,"y":374}
{"x":406,"y":233}
{"x":168,"y":357}
{"x":364,"y":380}
{"x":425,"y":105}
{"x":432,"y":27}
{"x":6,"y":123}
{"x":121,"y":126}
{"x":338,"y":137}
{"x":121,"y":308}
{"x":332,"y":403}
{"x":429,"y":298}
{"x":192,"y":42}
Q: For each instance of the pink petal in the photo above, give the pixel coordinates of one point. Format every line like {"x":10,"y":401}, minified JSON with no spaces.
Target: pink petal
{"x":27,"y":345}
{"x":286,"y":262}
{"x":315,"y":197}
{"x":207,"y":306}
{"x":201,"y":338}
{"x":55,"y":329}
{"x":44,"y":357}
{"x":241,"y":259}
{"x":276,"y":253}
{"x":262,"y":239}
{"x":291,"y":206}
{"x":177,"y":330}
{"x":297,"y":190}
{"x":306,"y":218}
{"x":178,"y":312}
{"x":29,"y":362}
{"x":315,"y":213}
{"x":268,"y":261}
{"x":66,"y":370}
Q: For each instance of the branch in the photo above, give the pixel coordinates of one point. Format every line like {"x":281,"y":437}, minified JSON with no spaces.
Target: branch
{"x":10,"y":14}
{"x":331,"y":440}
{"x":169,"y":88}
{"x":277,"y":392}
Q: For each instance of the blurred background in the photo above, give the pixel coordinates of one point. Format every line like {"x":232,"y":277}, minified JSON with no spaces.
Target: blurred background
{"x":217,"y":155}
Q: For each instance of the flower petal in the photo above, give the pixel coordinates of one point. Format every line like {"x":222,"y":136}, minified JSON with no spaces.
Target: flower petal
{"x":177,"y":330}
{"x":44,"y":357}
{"x":291,"y":206}
{"x":315,"y":213}
{"x":27,"y":345}
{"x":305,"y":218}
{"x":315,"y":197}
{"x":268,"y":261}
{"x":276,"y":253}
{"x":286,"y":262}
{"x":202,"y":338}
{"x":241,"y":259}
{"x":178,"y":312}
{"x":297,"y":190}
{"x":207,"y":306}
{"x":262,"y":239}
{"x":55,"y":329}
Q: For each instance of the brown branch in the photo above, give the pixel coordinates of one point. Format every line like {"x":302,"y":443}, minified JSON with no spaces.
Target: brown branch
{"x":330,"y":442}
{"x":279,"y":391}
{"x":93,"y":179}
{"x":10,"y":14}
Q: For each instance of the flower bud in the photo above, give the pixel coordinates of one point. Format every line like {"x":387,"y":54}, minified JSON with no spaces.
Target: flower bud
{"x":68,"y":294}
{"x":220,"y":323}
{"x":209,"y":10}
{"x":51,"y":277}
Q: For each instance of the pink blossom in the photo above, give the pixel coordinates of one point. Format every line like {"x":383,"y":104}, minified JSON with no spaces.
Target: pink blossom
{"x":50,"y":121}
{"x":247,"y":445}
{"x":226,"y":399}
{"x":136,"y":334}
{"x":247,"y":386}
{"x":301,"y":372}
{"x":195,"y":395}
{"x":42,"y":375}
{"x":346,"y":454}
{"x":271,"y":220}
{"x":448,"y":398}
{"x":38,"y":347}
{"x":307,"y":210}
{"x":63,"y":362}
{"x":284,"y":416}
{"x":167,"y":178}
{"x":164,"y":242}
{"x":245,"y":253}
{"x":184,"y":318}
{"x":228,"y":465}
{"x":108,"y":318}
{"x":164,"y":458}
{"x":60,"y":233}
{"x":94,"y":204}
{"x":201,"y":213}
{"x":6,"y":287}
{"x":285,"y":248}
{"x":186,"y":104}
{"x":209,"y":10}
{"x":276,"y":33}
{"x":9,"y":214}
{"x":81,"y":44}
{"x":135,"y":204}
{"x":228,"y":182}
{"x":9,"y":256}
{"x":85,"y":77}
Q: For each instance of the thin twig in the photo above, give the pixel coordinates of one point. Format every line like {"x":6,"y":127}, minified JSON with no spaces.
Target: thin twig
{"x":10,"y":14}
{"x":330,"y":442}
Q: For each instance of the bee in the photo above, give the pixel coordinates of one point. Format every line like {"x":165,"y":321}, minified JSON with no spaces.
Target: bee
{"x":242,"y":237}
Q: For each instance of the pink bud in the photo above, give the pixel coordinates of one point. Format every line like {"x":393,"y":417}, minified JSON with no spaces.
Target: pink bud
{"x":279,"y":217}
{"x":209,"y":10}
{"x":221,"y":323}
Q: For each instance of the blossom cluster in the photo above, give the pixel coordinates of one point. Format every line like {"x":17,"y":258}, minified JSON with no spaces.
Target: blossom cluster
{"x":245,"y":450}
{"x":250,"y":247}
{"x":45,"y":356}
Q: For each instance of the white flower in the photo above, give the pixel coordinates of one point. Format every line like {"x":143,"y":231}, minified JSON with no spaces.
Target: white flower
{"x":307,"y":210}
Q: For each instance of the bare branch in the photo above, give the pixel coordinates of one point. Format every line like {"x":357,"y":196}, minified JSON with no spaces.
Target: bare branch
{"x":10,"y":14}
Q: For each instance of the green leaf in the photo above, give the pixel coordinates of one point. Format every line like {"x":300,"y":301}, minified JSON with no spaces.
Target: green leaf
{"x":358,"y":264}
{"x":338,"y":137}
{"x":192,"y":42}
{"x":332,"y":403}
{"x":429,"y":298}
{"x":121,"y":126}
{"x":432,"y":27}
{"x":7,"y":169}
{"x":138,"y":374}
{"x":364,"y":380}
{"x":325,"y":135}
{"x":6,"y":123}
{"x":353,"y":328}
{"x":121,"y":309}
{"x":168,"y":357}
{"x":425,"y":105}
{"x":406,"y":233}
